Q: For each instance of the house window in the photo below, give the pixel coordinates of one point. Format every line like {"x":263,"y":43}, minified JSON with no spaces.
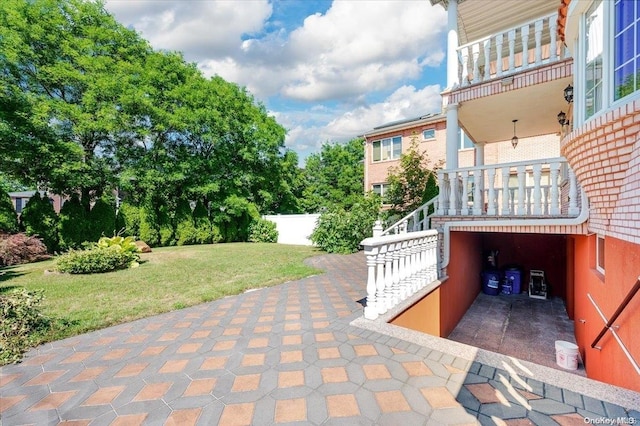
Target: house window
{"x":626,"y":55}
{"x":380,"y":189}
{"x":429,"y":134}
{"x":465,"y":141}
{"x":18,"y":205}
{"x":387,"y":149}
{"x":600,"y":253}
{"x":609,"y":55}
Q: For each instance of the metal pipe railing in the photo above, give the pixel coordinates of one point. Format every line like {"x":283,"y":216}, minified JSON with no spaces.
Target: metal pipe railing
{"x":618,"y":311}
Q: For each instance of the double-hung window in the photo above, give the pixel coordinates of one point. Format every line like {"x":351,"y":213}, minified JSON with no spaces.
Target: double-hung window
{"x":609,"y":52}
{"x":387,"y":149}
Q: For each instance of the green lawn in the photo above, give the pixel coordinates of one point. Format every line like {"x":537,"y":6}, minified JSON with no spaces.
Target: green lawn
{"x":169,"y":278}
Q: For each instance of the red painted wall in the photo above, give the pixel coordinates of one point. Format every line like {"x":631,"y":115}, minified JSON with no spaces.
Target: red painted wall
{"x":622,"y":267}
{"x":460,"y":290}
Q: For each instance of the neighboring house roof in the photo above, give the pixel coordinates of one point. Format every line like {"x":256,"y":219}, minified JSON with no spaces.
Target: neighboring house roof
{"x":406,"y":123}
{"x":23,"y":194}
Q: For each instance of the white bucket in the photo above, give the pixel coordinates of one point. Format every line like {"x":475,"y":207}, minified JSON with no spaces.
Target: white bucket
{"x":566,"y":355}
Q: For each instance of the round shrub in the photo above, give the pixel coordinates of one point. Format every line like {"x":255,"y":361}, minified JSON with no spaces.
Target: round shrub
{"x":39,"y":218}
{"x":263,"y":231}
{"x":19,"y":248}
{"x":102,"y":220}
{"x":95,"y":260}
{"x":73,"y":225}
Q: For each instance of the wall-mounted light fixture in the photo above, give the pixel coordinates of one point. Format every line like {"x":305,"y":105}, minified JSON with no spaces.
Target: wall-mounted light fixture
{"x":562,"y":119}
{"x":568,"y":94}
{"x":514,"y":139}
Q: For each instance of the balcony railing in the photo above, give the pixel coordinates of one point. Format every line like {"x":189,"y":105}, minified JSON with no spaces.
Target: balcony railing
{"x":515,"y":49}
{"x":398,"y":266}
{"x":520,"y":189}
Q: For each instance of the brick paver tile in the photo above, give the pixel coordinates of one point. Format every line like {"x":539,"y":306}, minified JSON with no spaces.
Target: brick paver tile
{"x":365,"y":350}
{"x":376,"y":372}
{"x":211,"y":323}
{"x":237,"y":415}
{"x":214,"y":363}
{"x":184,"y":417}
{"x":52,"y":401}
{"x":184,"y":324}
{"x":344,"y":405}
{"x":200,"y":334}
{"x":288,"y":379}
{"x":173,"y":366}
{"x":248,"y":382}
{"x":334,"y":375}
{"x":324,"y":337}
{"x":88,"y":374}
{"x":266,"y":318}
{"x":189,"y":348}
{"x":5,"y":379}
{"x":253,"y":359}
{"x":520,"y":422}
{"x":263,"y":329}
{"x":224,"y":345}
{"x":138,"y":338}
{"x":484,"y":392}
{"x":573,"y":419}
{"x":529,"y":395}
{"x":104,"y":396}
{"x":77,"y":357}
{"x":417,"y":368}
{"x":239,"y":320}
{"x":130,"y":420}
{"x":292,"y":327}
{"x":328,"y":353}
{"x":45,"y":378}
{"x":38,"y":360}
{"x":153,"y":351}
{"x":261,"y":342}
{"x":392,"y":401}
{"x":290,"y":356}
{"x":168,"y":337}
{"x":130,"y":370}
{"x":75,"y":423}
{"x":116,"y":354}
{"x":291,"y":410}
{"x":104,"y":341}
{"x":292,"y":340}
{"x":320,"y":324}
{"x":233,"y":331}
{"x":7,"y":402}
{"x":200,"y":387}
{"x":152,"y":391}
{"x":439,"y":397}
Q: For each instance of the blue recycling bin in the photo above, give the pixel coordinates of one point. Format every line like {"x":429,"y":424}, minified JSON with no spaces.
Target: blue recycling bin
{"x":491,"y":280}
{"x":513,"y":276}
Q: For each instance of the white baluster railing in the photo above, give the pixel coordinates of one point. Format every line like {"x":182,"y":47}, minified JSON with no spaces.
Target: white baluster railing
{"x":493,"y":186}
{"x":417,"y":220}
{"x":514,"y":44}
{"x":398,"y":266}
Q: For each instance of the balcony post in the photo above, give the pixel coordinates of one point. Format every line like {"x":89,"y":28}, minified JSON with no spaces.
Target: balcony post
{"x":537,"y":193}
{"x":464,"y":207}
{"x":452,"y":45}
{"x":505,"y":191}
{"x":512,"y":49}
{"x":522,"y":209}
{"x":442,"y":194}
{"x":554,"y":208}
{"x":524,"y":36}
{"x":475,"y":55}
{"x":381,"y":302}
{"x":573,"y":194}
{"x":453,"y":196}
{"x":538,"y":36}
{"x":499,"y":39}
{"x":491,"y":208}
{"x":371,"y":310}
{"x":553,"y":48}
{"x":487,"y":59}
{"x":390,"y":296}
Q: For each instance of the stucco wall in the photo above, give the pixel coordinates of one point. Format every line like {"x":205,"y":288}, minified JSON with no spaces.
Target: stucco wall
{"x":294,"y":228}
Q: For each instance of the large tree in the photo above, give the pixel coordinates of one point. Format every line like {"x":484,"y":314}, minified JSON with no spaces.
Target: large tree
{"x":334,"y":176}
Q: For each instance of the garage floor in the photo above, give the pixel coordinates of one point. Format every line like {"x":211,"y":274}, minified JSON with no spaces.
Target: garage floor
{"x":518,"y":326}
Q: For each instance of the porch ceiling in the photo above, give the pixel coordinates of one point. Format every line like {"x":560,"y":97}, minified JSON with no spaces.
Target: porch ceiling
{"x":480,"y":18}
{"x":489,"y":119}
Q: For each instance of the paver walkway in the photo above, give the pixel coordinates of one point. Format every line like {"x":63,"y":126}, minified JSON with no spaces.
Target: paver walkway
{"x":286,"y":354}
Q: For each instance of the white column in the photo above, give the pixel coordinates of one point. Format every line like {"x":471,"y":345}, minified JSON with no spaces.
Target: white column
{"x":452,"y":44}
{"x":453,"y":136}
{"x":573,"y":194}
{"x":524,"y":33}
{"x":505,"y":191}
{"x":554,"y":208}
{"x":478,"y":181}
{"x":442,"y":194}
{"x":453,"y":196}
{"x":521,"y":188}
{"x":499,"y":39}
{"x":475,"y":54}
{"x":491,"y":208}
{"x":464,"y":58}
{"x":381,"y":302}
{"x":553,"y":49}
{"x":538,"y":36}
{"x":371,"y":310}
{"x":464,"y":208}
{"x":487,"y":59}
{"x":512,"y":49}
{"x":537,"y":194}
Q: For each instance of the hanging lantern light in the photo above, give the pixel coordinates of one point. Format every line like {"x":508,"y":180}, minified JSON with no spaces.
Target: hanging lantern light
{"x":514,"y":139}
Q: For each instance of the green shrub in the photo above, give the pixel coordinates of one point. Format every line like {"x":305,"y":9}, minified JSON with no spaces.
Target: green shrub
{"x":102,"y":220}
{"x":8,"y":215}
{"x":165,"y":222}
{"x":185,"y":227}
{"x":19,"y":248}
{"x":236,"y":215}
{"x":125,"y":244}
{"x":128,"y":220}
{"x":72,"y":225}
{"x":263,"y":231}
{"x":38,"y":218}
{"x":20,"y":323}
{"x":96,"y":260}
{"x":206,"y":232}
{"x":340,"y":231}
{"x":148,"y":226}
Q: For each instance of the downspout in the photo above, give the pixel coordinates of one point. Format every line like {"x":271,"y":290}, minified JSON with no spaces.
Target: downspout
{"x":446,"y":237}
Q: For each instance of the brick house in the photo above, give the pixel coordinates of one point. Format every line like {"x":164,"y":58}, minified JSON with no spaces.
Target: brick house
{"x":517,"y":70}
{"x":19,"y":199}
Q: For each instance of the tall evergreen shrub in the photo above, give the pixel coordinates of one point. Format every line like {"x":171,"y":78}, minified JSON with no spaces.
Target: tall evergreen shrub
{"x":102,"y":220}
{"x":73,"y":226}
{"x":8,"y":215}
{"x":166,"y":229}
{"x":236,"y":217}
{"x":206,"y":231}
{"x":149,"y":232}
{"x":185,"y":226}
{"x":128,"y":220}
{"x":39,"y":218}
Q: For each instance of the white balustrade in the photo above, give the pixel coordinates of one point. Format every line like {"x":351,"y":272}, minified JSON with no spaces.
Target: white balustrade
{"x":398,"y":266}
{"x":496,"y":193}
{"x":514,"y":44}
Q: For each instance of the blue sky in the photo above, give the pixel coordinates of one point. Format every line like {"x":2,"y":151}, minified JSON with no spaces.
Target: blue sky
{"x":327,"y":70}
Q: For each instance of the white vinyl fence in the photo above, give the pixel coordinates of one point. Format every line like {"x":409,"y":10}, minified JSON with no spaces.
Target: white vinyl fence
{"x":294,"y":228}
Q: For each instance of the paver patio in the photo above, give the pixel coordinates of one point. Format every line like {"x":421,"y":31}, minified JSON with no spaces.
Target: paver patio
{"x":285,"y":354}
